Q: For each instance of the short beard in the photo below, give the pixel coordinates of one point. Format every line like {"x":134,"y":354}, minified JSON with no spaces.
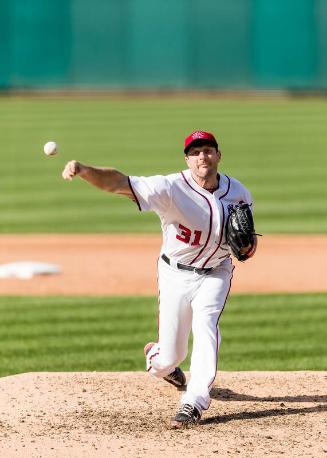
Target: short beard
{"x":207,"y":174}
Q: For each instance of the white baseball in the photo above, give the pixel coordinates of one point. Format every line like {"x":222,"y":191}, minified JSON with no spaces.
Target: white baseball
{"x":50,"y":148}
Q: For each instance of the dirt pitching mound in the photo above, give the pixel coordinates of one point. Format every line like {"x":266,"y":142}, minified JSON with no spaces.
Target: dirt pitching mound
{"x":127,"y":414}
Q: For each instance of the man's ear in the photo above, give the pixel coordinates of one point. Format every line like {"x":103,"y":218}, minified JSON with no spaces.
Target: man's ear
{"x":219,"y":154}
{"x":186,"y":158}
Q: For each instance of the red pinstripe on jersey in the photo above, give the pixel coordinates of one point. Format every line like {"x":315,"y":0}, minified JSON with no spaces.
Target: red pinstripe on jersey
{"x":210,"y":223}
{"x":222,"y":224}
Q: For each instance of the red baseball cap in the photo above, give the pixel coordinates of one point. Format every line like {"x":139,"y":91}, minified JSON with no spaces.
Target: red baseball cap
{"x":199,"y":137}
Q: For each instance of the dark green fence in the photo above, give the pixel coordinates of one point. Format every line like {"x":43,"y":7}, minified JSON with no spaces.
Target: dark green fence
{"x":163,"y":44}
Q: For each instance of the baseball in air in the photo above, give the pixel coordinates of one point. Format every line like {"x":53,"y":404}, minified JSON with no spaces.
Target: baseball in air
{"x":50,"y":148}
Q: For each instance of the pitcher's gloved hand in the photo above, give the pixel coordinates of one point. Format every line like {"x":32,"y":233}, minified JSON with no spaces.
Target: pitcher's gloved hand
{"x":240,"y":233}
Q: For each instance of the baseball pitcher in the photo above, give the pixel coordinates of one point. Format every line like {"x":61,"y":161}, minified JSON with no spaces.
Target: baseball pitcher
{"x":206,"y":217}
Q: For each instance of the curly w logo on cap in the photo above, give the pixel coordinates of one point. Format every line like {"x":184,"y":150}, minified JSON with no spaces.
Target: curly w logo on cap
{"x":199,"y":136}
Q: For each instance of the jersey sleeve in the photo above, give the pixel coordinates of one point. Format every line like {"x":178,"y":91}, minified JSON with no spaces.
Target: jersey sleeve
{"x":242,"y":193}
{"x":248,"y":198}
{"x":151,"y":193}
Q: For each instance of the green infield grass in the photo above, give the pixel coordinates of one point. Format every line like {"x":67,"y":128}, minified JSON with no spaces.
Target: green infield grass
{"x":263,"y":332}
{"x":276,"y":147}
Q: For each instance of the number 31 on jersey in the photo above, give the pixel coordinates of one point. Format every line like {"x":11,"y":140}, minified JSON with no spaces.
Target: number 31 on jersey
{"x":186,"y":236}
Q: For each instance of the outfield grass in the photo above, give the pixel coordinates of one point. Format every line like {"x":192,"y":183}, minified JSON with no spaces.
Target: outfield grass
{"x":276,"y":332}
{"x":275,"y":147}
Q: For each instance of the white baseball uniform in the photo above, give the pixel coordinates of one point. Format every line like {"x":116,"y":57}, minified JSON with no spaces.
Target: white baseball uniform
{"x":193,"y":222}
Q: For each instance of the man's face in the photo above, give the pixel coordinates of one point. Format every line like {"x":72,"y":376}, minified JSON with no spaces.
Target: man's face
{"x":203,"y":160}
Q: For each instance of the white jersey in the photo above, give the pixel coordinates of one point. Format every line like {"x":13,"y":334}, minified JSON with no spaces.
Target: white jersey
{"x":193,"y":220}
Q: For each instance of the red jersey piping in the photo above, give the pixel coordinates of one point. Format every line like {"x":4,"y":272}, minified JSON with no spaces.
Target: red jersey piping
{"x":210,"y":224}
{"x":136,"y":199}
{"x":222,"y":225}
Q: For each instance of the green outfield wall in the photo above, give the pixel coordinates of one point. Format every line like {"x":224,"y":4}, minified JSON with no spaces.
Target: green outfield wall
{"x":239,"y":44}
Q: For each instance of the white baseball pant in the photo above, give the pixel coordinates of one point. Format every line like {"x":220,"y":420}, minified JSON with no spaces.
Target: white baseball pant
{"x":189,"y":300}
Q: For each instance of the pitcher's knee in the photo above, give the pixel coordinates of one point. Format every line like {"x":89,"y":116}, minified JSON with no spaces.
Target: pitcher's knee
{"x":176,"y":359}
{"x":167,"y":362}
{"x":170,"y":355}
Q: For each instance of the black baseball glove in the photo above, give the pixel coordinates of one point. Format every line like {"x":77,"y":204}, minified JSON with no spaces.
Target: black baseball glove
{"x":240,"y":233}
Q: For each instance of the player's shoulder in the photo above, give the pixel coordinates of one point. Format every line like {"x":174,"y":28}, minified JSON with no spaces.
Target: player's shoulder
{"x":236,"y":191}
{"x":173,"y":178}
{"x":161,"y":182}
{"x":235,"y":183}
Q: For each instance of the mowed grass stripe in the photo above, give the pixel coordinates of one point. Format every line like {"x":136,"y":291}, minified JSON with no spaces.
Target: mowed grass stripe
{"x":275,"y":146}
{"x":266,"y":332}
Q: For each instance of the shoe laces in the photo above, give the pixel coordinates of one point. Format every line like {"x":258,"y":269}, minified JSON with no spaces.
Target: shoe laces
{"x":187,"y":409}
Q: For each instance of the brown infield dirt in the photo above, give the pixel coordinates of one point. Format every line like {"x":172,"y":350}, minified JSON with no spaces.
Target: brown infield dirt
{"x":127,"y":264}
{"x":252,"y":414}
